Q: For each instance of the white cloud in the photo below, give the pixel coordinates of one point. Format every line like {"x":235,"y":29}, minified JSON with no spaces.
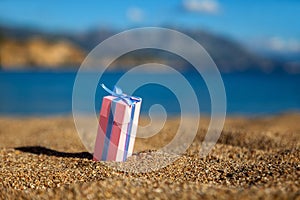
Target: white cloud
{"x":202,"y":6}
{"x":135,"y":14}
{"x":283,"y":45}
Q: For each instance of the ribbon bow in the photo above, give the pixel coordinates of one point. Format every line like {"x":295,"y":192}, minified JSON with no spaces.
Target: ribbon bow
{"x":117,"y":92}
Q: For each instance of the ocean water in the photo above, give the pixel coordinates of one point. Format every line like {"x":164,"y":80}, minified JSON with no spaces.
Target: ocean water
{"x":32,"y":93}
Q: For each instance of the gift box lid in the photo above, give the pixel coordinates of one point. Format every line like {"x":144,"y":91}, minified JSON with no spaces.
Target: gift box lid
{"x":121,"y":111}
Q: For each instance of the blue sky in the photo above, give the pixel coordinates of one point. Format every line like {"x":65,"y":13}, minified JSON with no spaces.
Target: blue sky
{"x":273,"y":23}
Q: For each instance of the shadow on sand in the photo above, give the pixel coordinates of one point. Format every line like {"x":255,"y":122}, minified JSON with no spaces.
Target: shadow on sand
{"x":49,"y":152}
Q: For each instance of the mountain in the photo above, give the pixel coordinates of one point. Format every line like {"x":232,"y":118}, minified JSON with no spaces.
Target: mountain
{"x":57,"y":50}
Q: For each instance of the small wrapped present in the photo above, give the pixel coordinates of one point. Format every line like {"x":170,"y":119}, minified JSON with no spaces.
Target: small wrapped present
{"x":118,"y":124}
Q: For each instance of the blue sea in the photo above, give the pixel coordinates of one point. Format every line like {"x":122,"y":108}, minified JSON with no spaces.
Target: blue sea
{"x":48,"y":93}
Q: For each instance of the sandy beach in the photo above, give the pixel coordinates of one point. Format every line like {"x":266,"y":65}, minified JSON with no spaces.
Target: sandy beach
{"x":255,"y":158}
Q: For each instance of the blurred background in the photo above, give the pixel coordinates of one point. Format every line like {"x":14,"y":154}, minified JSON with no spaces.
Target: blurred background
{"x":255,"y":44}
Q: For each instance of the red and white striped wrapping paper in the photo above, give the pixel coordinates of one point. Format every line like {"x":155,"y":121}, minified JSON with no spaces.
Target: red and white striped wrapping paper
{"x":117,"y":129}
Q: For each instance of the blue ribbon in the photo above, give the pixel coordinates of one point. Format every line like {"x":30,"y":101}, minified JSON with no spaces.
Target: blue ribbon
{"x":117,"y":92}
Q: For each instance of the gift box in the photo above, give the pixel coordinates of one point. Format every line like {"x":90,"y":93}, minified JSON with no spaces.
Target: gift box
{"x":117,"y":128}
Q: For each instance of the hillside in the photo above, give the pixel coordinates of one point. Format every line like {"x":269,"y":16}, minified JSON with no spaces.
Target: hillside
{"x":39,"y":52}
{"x":21,"y":48}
